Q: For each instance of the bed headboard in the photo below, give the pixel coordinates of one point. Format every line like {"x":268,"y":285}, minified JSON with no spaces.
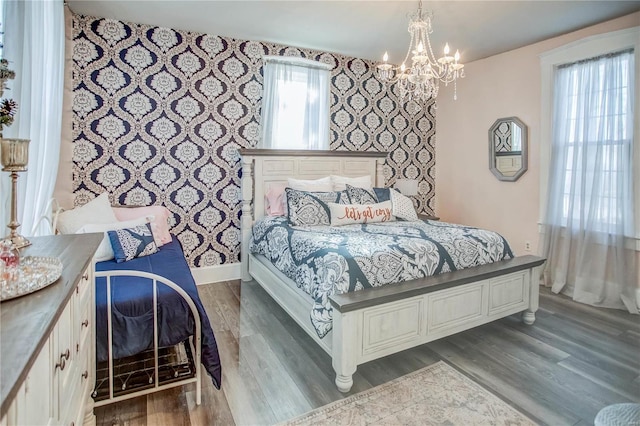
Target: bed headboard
{"x":263,"y":168}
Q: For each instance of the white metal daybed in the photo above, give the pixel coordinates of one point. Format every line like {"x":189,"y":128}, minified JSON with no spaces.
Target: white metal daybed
{"x":374,"y":323}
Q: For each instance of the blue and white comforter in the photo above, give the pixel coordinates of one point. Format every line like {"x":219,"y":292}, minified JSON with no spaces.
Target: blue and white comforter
{"x":325,"y":260}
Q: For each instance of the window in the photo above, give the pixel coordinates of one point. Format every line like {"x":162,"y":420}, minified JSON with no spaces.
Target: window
{"x":595,"y":81}
{"x":295,"y":105}
{"x":591,"y":154}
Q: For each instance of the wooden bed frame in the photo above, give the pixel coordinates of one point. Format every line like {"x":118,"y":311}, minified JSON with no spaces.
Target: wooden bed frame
{"x":374,"y":323}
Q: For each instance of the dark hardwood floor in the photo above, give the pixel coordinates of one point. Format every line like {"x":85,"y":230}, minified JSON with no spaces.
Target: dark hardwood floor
{"x":572,"y":362}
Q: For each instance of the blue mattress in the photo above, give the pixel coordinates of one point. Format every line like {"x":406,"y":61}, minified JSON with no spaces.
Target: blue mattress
{"x":132,"y":309}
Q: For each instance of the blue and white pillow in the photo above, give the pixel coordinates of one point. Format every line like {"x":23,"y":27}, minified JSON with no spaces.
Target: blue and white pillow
{"x":312,"y":208}
{"x":360,"y":195}
{"x":133,"y":242}
{"x":383,"y":194}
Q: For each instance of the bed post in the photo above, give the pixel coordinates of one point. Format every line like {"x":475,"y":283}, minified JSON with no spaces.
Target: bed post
{"x":380,"y":172}
{"x":343,"y":349}
{"x":529,"y":316}
{"x":247,"y":216}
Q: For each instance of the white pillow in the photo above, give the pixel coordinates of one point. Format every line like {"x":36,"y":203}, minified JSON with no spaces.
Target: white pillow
{"x":339,"y":183}
{"x":315,"y":185}
{"x":95,"y":211}
{"x":403,"y":206}
{"x":347,"y":214}
{"x":105,"y":251}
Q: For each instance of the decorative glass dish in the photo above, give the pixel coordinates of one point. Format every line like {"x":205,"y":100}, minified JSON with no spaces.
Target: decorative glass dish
{"x":32,"y":274}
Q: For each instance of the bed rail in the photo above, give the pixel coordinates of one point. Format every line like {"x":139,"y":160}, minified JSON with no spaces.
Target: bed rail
{"x":197,"y":339}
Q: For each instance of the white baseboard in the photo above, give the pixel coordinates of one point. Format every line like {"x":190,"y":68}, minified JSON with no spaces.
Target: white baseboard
{"x":216,"y":273}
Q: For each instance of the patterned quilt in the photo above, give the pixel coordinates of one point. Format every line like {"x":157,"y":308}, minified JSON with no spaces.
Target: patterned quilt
{"x":325,"y":260}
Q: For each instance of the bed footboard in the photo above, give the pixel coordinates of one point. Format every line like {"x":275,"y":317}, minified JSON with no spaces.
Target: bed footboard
{"x":154,"y":381}
{"x":378,"y":322}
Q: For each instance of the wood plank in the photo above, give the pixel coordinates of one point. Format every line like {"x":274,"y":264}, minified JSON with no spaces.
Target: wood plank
{"x":567,"y":344}
{"x":132,"y":412}
{"x":505,"y":382}
{"x":591,"y":338}
{"x":609,"y":324}
{"x":314,"y":355}
{"x":559,"y":303}
{"x":314,"y":383}
{"x":245,"y":396}
{"x":214,"y":409}
{"x":566,"y":387}
{"x":168,"y":407}
{"x":389,"y":293}
{"x":285,"y":397}
{"x":229,"y":306}
{"x":623,"y":386}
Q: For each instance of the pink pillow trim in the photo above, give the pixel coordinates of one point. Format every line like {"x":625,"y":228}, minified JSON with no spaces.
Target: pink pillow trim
{"x":159,"y":225}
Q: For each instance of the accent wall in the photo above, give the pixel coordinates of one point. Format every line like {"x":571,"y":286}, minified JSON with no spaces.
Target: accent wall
{"x":158,"y":116}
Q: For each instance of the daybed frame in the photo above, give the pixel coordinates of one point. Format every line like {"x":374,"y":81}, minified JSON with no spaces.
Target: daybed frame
{"x":374,"y":323}
{"x":197,"y":337}
{"x":157,"y":280}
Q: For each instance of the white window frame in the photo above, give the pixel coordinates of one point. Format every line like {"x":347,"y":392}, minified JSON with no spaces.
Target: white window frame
{"x":586,"y":48}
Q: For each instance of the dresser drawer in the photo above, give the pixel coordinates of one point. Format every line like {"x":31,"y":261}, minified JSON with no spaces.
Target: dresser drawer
{"x":83,"y":288}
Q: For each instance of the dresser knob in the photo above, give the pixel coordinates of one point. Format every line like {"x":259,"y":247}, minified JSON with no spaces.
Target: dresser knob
{"x":85,"y":374}
{"x":85,"y":323}
{"x":61,"y":364}
{"x":85,"y":276}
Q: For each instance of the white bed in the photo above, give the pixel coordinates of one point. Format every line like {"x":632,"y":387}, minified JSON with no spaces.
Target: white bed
{"x":374,"y":323}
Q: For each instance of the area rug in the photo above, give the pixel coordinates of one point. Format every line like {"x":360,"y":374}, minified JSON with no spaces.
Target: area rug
{"x":434,"y":395}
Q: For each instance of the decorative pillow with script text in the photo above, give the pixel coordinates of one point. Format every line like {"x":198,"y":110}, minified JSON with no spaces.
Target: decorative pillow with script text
{"x":347,"y":214}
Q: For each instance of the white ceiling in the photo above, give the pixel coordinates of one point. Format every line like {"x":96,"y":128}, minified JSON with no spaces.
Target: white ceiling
{"x":365,"y":29}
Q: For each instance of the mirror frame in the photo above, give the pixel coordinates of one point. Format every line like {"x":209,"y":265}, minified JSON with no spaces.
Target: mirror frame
{"x":525,"y":150}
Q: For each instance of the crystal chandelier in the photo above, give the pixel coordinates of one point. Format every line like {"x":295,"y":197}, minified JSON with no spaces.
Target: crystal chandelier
{"x":422,"y":80}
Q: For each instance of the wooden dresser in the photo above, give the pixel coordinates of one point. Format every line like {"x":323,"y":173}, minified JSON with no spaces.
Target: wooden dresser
{"x":47,"y":349}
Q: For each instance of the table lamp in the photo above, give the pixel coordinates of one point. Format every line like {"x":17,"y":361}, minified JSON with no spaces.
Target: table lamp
{"x":14,"y":154}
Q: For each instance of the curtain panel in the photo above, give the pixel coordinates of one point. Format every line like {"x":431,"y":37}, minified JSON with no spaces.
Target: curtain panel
{"x":295,"y":104}
{"x":34,"y":46}
{"x":589,"y":220}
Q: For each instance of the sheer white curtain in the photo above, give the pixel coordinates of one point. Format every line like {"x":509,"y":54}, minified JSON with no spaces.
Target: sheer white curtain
{"x":34,"y":46}
{"x":295,"y":104}
{"x":589,"y":221}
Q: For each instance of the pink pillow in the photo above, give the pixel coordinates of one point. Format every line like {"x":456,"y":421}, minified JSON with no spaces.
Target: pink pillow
{"x":275,"y":200}
{"x":159,"y":225}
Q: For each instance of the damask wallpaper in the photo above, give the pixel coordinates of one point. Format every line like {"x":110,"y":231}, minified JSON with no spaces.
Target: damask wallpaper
{"x":159,"y":116}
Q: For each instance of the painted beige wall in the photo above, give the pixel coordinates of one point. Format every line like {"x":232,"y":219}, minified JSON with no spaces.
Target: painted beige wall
{"x":504,"y":85}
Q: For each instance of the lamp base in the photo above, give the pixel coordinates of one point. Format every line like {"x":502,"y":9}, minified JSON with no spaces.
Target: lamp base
{"x":18,"y":241}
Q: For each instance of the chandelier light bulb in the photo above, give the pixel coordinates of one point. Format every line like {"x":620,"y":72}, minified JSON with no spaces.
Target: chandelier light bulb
{"x":385,"y":57}
{"x":402,"y":67}
{"x":420,"y":47}
{"x":457,"y":55}
{"x":446,"y":49}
